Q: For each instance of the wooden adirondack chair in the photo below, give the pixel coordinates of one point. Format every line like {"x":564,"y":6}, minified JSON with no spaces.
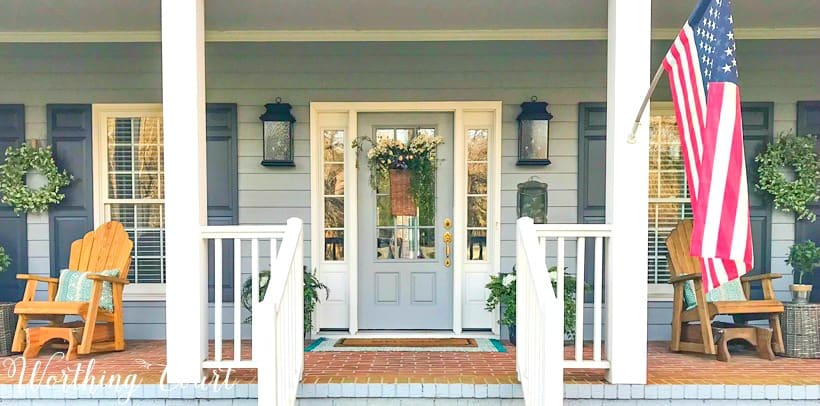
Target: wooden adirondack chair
{"x":106,"y":248}
{"x":683,"y":268}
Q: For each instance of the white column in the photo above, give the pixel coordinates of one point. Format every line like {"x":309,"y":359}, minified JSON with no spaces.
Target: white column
{"x":183,"y":109}
{"x":627,"y":169}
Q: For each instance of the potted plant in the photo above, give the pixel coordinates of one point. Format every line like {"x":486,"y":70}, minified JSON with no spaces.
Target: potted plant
{"x":502,"y":292}
{"x":311,"y":288}
{"x":803,"y":258}
{"x":7,"y":317}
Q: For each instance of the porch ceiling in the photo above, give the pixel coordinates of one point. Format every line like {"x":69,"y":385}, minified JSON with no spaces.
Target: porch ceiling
{"x":377,"y":15}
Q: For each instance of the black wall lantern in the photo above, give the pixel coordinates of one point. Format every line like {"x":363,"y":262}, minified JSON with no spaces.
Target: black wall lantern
{"x":532,"y":201}
{"x":277,"y":134}
{"x":533,"y":133}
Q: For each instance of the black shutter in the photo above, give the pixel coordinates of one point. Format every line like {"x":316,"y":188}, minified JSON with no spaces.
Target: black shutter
{"x":13,"y":234}
{"x":223,"y":187}
{"x":69,"y":133}
{"x":758,"y":130}
{"x":592,"y":181}
{"x":808,"y":122}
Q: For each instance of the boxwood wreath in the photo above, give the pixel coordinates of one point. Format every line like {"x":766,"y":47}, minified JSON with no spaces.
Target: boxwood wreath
{"x":16,"y":193}
{"x":795,"y":153}
{"x":418,"y":156}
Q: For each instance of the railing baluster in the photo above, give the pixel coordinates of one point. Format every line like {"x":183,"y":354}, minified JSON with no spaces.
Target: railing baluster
{"x":237,"y":299}
{"x":559,"y":274}
{"x":596,"y":302}
{"x":218,"y":299}
{"x":580,"y":254}
{"x":255,"y":286}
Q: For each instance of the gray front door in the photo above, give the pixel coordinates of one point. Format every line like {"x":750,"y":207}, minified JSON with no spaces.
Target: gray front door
{"x":403,"y":281}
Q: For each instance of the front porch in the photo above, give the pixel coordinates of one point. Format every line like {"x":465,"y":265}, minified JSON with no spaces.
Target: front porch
{"x":425,"y":375}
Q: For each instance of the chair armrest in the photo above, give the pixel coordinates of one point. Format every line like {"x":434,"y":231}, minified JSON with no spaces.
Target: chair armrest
{"x":38,"y":278}
{"x":104,"y":278}
{"x":684,"y":278}
{"x":760,"y":277}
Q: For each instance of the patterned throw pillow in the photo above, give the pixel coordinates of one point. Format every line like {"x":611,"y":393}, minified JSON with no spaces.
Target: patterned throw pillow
{"x":728,"y":292}
{"x":75,"y":287}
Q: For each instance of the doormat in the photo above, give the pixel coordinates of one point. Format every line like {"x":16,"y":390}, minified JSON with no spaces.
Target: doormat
{"x":407,"y":344}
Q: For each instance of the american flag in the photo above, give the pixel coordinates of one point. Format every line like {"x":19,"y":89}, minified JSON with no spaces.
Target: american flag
{"x":703,"y":77}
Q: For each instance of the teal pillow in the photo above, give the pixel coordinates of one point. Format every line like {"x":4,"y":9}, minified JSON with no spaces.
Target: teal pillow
{"x":731,"y":291}
{"x":75,"y":287}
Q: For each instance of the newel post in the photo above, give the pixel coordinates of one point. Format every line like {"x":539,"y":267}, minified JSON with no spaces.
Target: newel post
{"x":183,"y":109}
{"x":627,"y":171}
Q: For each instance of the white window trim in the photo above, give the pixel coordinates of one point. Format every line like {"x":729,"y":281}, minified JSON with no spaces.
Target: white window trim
{"x":100,"y":112}
{"x":660,"y":292}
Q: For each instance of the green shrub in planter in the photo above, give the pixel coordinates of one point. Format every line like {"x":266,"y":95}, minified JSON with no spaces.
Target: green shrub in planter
{"x":502,"y":292}
{"x":311,"y":289}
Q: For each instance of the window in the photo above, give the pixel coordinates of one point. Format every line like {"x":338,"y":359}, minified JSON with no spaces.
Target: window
{"x":334,"y":194}
{"x":477,"y":161}
{"x":129,"y":185}
{"x":403,"y":237}
{"x":668,"y":196}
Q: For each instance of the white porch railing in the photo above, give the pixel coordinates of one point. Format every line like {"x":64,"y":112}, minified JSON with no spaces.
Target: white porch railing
{"x":277,"y":323}
{"x":552,"y":241}
{"x":538,"y":348}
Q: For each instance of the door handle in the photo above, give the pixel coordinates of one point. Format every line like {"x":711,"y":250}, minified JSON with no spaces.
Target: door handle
{"x":448,"y":238}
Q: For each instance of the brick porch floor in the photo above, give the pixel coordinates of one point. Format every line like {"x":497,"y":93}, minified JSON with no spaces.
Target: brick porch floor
{"x":146,"y":359}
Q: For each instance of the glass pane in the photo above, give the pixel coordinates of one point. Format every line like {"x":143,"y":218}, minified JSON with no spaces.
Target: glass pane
{"x":149,"y":216}
{"x":119,"y":158}
{"x":147,"y":130}
{"x":146,"y":158}
{"x":427,"y":215}
{"x":430,"y":132}
{"x":427,"y":241}
{"x":476,"y":211}
{"x":124,"y":213}
{"x":534,"y":139}
{"x":119,"y":131}
{"x":334,"y":245}
{"x":403,"y":135}
{"x":147,"y":186}
{"x":334,"y":212}
{"x":334,"y":145}
{"x":477,"y":179}
{"x":334,"y":179}
{"x":277,"y":141}
{"x":384,"y":133}
{"x":476,"y":245}
{"x":145,"y":226}
{"x":383,"y":216}
{"x":120,"y":186}
{"x":384,"y":244}
{"x":477,"y":145}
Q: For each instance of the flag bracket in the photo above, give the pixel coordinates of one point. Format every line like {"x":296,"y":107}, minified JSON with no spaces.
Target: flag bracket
{"x":632,"y":137}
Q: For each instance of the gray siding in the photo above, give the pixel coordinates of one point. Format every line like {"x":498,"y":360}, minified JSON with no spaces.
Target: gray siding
{"x":252,"y":74}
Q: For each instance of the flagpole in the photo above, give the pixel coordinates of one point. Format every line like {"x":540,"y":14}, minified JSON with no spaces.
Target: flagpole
{"x":646,"y":98}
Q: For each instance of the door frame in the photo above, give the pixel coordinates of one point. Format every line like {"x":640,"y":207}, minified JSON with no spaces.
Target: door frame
{"x":340,"y":311}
